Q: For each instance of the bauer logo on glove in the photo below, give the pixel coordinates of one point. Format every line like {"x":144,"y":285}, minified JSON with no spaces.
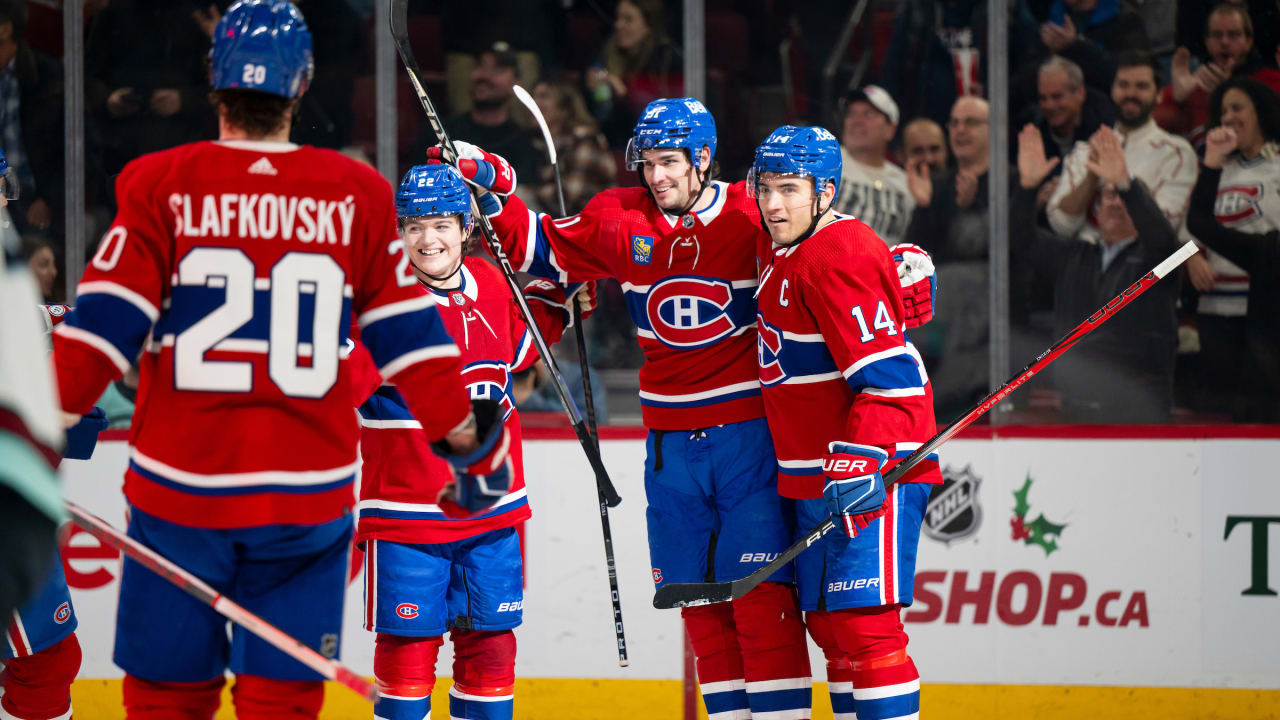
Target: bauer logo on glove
{"x":855,"y":490}
{"x":484,"y":475}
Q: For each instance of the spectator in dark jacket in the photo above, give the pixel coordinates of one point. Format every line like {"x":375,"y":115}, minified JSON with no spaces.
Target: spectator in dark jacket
{"x":1234,"y":211}
{"x":1068,"y":111}
{"x":1090,"y":33}
{"x":146,"y":78}
{"x":1122,"y":372}
{"x":30,"y":123}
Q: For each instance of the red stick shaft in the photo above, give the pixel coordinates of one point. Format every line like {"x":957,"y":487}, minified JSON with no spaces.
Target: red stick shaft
{"x":197,"y":588}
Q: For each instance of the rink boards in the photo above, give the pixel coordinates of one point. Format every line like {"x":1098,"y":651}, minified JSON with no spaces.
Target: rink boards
{"x":1062,"y":570}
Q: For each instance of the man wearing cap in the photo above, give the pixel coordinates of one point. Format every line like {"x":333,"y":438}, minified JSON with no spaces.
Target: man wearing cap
{"x":488,"y":123}
{"x":873,"y":189}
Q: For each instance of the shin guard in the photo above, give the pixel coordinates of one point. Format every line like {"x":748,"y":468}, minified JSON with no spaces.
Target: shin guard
{"x":775,"y":656}
{"x":38,"y":686}
{"x":260,"y":698}
{"x":484,"y":675}
{"x":839,"y":666}
{"x":146,"y":700}
{"x":405,"y":670}
{"x":886,"y":684}
{"x":714,"y":638}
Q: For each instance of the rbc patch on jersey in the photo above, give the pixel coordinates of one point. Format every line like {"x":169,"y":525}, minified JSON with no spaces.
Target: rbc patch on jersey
{"x":641,"y":249}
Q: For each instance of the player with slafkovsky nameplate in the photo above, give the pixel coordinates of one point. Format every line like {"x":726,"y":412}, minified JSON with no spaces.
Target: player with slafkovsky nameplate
{"x":231,"y":274}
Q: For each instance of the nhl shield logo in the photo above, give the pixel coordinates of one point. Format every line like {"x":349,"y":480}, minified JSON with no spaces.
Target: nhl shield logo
{"x":953,"y":512}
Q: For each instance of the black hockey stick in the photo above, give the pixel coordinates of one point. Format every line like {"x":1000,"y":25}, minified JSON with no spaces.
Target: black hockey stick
{"x":687,"y":594}
{"x":400,"y":32}
{"x":527,"y":100}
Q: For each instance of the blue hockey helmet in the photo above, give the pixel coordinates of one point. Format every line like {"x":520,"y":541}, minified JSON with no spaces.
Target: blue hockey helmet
{"x":8,"y":180}
{"x":682,"y":123}
{"x":792,"y":150}
{"x":262,"y":45}
{"x":435,"y":189}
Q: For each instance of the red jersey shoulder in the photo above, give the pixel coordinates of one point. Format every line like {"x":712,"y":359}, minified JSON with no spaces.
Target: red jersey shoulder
{"x":488,"y":277}
{"x":623,"y":198}
{"x":846,"y":243}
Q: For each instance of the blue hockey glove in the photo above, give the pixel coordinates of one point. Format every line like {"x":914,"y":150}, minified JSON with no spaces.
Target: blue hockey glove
{"x":855,"y":490}
{"x":82,"y":437}
{"x":484,"y":475}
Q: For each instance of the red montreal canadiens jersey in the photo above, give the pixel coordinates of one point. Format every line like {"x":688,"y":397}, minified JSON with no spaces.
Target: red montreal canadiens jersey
{"x":234,"y":269}
{"x":401,"y":477}
{"x":834,"y":360}
{"x":688,"y":290}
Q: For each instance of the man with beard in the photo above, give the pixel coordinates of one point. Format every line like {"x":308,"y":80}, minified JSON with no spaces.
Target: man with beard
{"x":488,"y":123}
{"x":1163,"y":162}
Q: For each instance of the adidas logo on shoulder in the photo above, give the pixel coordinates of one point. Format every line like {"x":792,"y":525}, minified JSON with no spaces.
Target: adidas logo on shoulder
{"x":262,"y":166}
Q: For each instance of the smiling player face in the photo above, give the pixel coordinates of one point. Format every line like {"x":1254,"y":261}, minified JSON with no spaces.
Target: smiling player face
{"x":671,"y":177}
{"x":434,"y":244}
{"x":786,"y":205}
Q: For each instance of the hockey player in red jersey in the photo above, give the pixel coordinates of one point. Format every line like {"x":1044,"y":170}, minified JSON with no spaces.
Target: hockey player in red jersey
{"x":846,"y":396}
{"x":442,"y":555}
{"x":232,"y":271}
{"x":684,"y":248}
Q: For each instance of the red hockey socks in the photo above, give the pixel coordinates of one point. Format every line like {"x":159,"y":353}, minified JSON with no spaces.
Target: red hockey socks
{"x":484,"y":675}
{"x":885,"y":681}
{"x":405,"y":670}
{"x":146,"y":700}
{"x":260,"y":698}
{"x":719,"y":660}
{"x":38,"y":686}
{"x":839,"y":666}
{"x":775,"y":655}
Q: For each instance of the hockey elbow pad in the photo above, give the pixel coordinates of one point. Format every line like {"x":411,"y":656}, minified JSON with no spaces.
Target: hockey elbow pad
{"x":919,"y":283}
{"x":484,"y":475}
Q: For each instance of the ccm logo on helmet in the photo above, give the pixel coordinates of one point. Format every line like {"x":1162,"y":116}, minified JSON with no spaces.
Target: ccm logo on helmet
{"x":408,"y":611}
{"x":842,"y":465}
{"x":686,"y":311}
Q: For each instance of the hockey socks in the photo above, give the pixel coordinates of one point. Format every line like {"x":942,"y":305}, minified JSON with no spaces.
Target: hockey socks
{"x":884,"y":682}
{"x":839,"y":666}
{"x":260,"y":698}
{"x":719,"y":661}
{"x":146,"y":700}
{"x":405,"y":670}
{"x":775,"y":654}
{"x":38,"y":686}
{"x":484,"y":675}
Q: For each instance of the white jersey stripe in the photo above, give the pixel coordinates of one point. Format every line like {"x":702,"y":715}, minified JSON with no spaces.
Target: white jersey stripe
{"x":723,"y":686}
{"x":887,"y":691}
{"x":382,"y":312}
{"x":416,"y":356}
{"x":106,"y":287}
{"x":299,"y":478}
{"x":759,"y":686}
{"x":97,"y":342}
{"x":714,"y":392}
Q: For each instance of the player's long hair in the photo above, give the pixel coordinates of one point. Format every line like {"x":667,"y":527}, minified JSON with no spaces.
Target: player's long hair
{"x":257,"y":113}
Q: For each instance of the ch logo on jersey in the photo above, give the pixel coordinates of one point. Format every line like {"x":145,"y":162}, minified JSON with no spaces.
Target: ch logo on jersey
{"x":408,"y":611}
{"x":488,"y":380}
{"x":657,"y":575}
{"x":768,"y":352}
{"x":686,"y":311}
{"x":641,"y":249}
{"x":1238,"y":204}
{"x":62,"y":614}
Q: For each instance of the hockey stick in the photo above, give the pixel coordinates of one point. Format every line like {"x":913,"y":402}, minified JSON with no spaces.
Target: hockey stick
{"x":527,"y":100}
{"x":400,"y":33}
{"x":197,"y":588}
{"x":687,"y":594}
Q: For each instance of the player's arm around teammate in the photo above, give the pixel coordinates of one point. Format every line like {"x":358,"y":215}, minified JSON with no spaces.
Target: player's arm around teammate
{"x":846,"y":394}
{"x":683,"y":246}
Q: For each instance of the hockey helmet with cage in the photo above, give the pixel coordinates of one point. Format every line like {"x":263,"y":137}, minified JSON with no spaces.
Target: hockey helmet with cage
{"x":435,"y":189}
{"x":262,"y":45}
{"x":793,"y":150}
{"x":679,"y":123}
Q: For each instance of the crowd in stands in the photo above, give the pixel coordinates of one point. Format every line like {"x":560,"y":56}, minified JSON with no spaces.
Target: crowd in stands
{"x":1135,"y":125}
